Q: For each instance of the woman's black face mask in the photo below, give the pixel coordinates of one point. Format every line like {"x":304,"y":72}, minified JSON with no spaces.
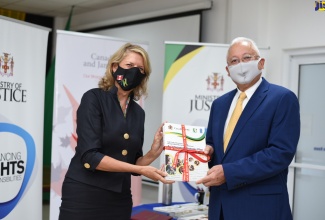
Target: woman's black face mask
{"x":128,"y":78}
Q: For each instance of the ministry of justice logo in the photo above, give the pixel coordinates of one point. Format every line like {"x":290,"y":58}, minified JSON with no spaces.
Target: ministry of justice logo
{"x":215,"y":82}
{"x":10,"y":90}
{"x":6,"y":64}
{"x":202,"y":102}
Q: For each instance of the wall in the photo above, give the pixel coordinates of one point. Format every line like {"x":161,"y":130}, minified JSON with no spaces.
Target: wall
{"x":271,"y":23}
{"x":276,"y":24}
{"x":134,"y":11}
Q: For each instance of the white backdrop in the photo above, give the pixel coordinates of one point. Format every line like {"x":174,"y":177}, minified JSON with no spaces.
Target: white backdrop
{"x":81,"y":61}
{"x":22,"y":79}
{"x":195,"y":75}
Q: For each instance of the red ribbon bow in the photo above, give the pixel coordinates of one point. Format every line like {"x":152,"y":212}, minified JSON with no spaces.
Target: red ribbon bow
{"x":187,"y":151}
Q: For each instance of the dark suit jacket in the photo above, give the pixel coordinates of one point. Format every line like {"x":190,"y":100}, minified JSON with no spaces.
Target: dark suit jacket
{"x":256,"y":161}
{"x":103,"y":130}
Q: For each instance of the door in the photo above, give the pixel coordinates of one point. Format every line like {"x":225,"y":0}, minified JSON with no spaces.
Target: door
{"x":307,"y":177}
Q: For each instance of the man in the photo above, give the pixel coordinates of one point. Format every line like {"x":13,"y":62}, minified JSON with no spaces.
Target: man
{"x":248,"y":175}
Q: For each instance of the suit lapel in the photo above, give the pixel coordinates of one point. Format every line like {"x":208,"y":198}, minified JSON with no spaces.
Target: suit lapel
{"x":250,"y":108}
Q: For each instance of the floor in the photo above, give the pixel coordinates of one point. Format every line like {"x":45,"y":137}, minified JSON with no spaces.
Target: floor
{"x":149,"y":195}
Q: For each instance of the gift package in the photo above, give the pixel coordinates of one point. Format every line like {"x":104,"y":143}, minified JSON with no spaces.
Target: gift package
{"x":184,"y":146}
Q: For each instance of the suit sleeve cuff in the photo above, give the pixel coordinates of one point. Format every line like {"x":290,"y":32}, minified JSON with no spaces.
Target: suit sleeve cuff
{"x":91,"y":159}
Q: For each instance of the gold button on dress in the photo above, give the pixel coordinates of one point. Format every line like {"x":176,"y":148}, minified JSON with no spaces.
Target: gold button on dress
{"x":124,"y":152}
{"x":87,"y":165}
{"x":126,"y":136}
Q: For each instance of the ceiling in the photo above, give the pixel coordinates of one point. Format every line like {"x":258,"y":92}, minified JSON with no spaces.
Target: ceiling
{"x":59,"y":8}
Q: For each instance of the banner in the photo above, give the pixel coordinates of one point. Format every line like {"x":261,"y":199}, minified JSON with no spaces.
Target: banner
{"x":81,"y":61}
{"x":194,"y":77}
{"x":23,"y":49}
{"x":48,"y":122}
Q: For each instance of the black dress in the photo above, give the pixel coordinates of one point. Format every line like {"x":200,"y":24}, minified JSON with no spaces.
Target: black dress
{"x":85,"y":202}
{"x":102,"y":130}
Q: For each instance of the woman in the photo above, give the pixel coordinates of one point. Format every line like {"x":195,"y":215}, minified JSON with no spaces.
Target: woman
{"x":110,"y":129}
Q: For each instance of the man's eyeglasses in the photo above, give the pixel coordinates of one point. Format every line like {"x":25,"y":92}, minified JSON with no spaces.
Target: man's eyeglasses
{"x":246,"y":58}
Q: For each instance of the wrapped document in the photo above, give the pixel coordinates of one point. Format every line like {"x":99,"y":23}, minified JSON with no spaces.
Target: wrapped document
{"x":184,"y":152}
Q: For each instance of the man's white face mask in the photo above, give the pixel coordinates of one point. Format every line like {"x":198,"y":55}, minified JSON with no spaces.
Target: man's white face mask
{"x":244,"y":73}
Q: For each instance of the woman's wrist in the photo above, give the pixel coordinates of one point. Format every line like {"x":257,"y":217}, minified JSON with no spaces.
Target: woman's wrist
{"x":151,"y":155}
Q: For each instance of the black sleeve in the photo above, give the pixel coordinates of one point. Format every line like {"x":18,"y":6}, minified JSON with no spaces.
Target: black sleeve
{"x":89,"y":130}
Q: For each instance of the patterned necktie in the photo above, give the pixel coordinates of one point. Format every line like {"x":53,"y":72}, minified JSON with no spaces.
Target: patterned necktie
{"x":233,"y":120}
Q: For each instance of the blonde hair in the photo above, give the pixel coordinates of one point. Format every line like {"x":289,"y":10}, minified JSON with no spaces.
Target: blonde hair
{"x":108,"y":81}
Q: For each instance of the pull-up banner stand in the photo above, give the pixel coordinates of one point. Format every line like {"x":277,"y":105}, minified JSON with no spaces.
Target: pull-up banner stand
{"x":81,"y":61}
{"x":23,"y":49}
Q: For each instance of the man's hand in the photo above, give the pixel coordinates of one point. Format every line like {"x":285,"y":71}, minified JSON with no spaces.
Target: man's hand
{"x":214,"y":177}
{"x":208,"y":150}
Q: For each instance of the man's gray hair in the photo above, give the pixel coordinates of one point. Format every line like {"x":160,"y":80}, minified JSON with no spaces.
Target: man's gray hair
{"x":244,"y":39}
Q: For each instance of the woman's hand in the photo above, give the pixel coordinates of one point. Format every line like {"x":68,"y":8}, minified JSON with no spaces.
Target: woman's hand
{"x":157,"y":145}
{"x":154,"y":174}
